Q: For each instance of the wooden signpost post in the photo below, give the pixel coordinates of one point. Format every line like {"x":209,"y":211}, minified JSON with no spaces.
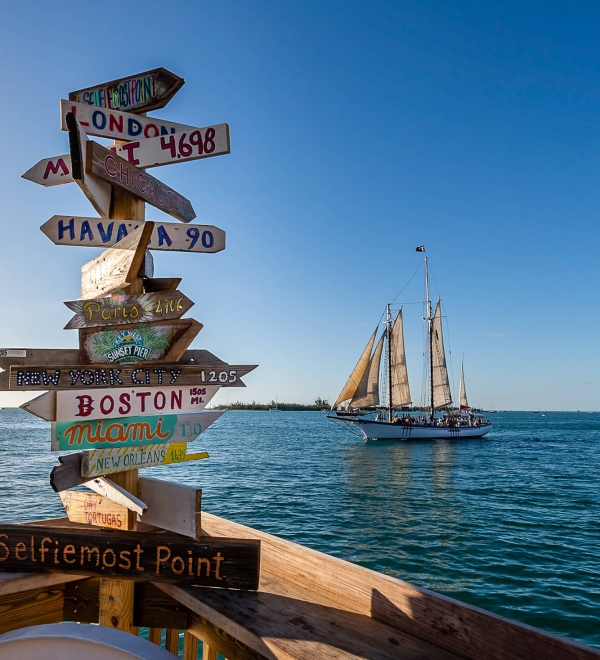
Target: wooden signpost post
{"x":132,"y":395}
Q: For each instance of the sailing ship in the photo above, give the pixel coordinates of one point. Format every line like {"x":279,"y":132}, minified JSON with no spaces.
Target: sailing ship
{"x":363,"y":386}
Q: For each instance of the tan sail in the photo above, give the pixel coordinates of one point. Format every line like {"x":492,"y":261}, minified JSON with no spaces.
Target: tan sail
{"x":464,"y":404}
{"x":357,"y":375}
{"x":441,"y":385}
{"x":367,"y":393}
{"x":400,"y":388}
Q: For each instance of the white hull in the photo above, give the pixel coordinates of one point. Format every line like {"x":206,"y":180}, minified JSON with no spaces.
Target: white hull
{"x":388,"y":431}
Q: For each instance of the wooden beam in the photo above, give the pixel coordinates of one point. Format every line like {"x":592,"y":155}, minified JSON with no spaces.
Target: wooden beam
{"x":216,"y":640}
{"x":82,"y":601}
{"x":155,"y":609}
{"x":31,"y":608}
{"x":172,"y":641}
{"x":116,"y":598}
{"x":118,"y":266}
{"x":190,"y":646}
{"x":155,"y":636}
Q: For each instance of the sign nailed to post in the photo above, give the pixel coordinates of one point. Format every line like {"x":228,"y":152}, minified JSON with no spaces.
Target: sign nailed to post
{"x":99,"y":232}
{"x":140,"y":93}
{"x":214,"y":562}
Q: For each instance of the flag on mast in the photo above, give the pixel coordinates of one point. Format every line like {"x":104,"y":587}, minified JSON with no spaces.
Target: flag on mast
{"x":421,"y":248}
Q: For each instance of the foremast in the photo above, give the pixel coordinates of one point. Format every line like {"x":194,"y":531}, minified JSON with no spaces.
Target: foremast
{"x":388,"y":330}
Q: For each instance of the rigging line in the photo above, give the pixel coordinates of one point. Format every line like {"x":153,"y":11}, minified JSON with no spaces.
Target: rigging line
{"x":409,"y":281}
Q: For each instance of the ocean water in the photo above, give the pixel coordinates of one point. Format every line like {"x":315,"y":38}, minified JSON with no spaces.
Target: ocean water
{"x":509,"y":523}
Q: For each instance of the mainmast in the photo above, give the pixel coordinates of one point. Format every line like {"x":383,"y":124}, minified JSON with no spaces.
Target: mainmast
{"x":429,"y":334}
{"x":388,"y":331}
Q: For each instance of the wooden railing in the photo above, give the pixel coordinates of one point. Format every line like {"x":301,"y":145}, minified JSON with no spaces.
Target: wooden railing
{"x":309,"y":605}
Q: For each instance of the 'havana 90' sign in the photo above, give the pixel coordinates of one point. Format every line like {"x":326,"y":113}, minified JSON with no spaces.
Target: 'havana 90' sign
{"x":144,"y":91}
{"x":213,"y":562}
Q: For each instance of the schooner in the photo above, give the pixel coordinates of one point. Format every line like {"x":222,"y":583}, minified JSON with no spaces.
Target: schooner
{"x":363,"y":386}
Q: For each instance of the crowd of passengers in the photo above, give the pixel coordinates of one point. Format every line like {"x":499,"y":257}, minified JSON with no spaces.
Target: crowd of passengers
{"x":445,"y":420}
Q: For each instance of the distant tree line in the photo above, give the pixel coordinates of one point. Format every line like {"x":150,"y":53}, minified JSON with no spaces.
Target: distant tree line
{"x":319,"y":404}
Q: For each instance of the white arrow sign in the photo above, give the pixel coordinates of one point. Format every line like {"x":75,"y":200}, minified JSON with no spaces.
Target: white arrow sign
{"x":99,"y":232}
{"x":116,"y":124}
{"x":64,"y":406}
{"x":189,"y":145}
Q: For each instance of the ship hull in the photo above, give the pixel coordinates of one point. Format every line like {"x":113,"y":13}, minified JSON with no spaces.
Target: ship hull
{"x":374,"y":430}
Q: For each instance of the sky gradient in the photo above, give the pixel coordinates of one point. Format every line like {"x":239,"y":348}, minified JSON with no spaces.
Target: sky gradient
{"x":358,"y":131}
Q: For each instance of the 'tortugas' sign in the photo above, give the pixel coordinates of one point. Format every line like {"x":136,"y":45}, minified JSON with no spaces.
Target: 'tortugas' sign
{"x":215,"y":562}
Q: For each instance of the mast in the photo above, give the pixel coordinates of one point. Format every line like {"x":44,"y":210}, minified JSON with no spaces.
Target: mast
{"x":430,"y":335}
{"x":388,"y":331}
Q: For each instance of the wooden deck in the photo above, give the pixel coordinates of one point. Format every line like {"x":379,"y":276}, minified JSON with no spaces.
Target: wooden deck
{"x":309,"y":605}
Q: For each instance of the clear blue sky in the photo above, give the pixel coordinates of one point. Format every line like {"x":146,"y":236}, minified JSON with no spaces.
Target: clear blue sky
{"x":359,"y":130}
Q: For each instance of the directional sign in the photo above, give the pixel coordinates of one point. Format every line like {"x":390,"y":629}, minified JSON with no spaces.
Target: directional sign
{"x":93,"y":509}
{"x":143,"y":92}
{"x":130,"y":431}
{"x":51,"y":171}
{"x":158,"y":340}
{"x":63,"y":406}
{"x":98,"y":192}
{"x":93,"y":376}
{"x":106,"y":165}
{"x":99,"y":232}
{"x":109,"y":461}
{"x":104,"y":122}
{"x":116,"y":494}
{"x":172,"y":506}
{"x":121,"y":309}
{"x":212,"y":562}
{"x":118,"y":266}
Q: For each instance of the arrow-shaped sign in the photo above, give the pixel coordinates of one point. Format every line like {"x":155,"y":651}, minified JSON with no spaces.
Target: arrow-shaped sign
{"x":119,"y":310}
{"x":130,"y":431}
{"x":117,"y":267}
{"x":110,"y":461}
{"x":113,"y":169}
{"x":100,"y":232}
{"x":94,"y":509}
{"x":193,"y":144}
{"x":98,"y":192}
{"x":104,"y":122}
{"x":140,"y":93}
{"x":64,"y":405}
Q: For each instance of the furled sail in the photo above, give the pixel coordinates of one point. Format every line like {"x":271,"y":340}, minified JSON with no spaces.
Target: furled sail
{"x":441,"y":385}
{"x":400,"y":387}
{"x":357,"y":375}
{"x":464,"y":404}
{"x":367,"y":392}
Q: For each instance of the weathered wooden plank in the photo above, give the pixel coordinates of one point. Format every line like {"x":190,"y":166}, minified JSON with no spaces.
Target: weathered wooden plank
{"x":118,"y":172}
{"x":116,"y":602}
{"x":51,"y":171}
{"x":154,"y":634}
{"x":94,"y":376}
{"x":125,"y":310}
{"x":31,"y":608}
{"x":161,"y":284}
{"x":117,"y":494}
{"x":155,"y":609}
{"x":444,"y":622}
{"x":117,"y":124}
{"x":190,"y":647}
{"x":12,"y":583}
{"x":97,"y":510}
{"x":141,"y":92}
{"x":64,"y":406}
{"x":102,"y":462}
{"x":68,"y":473}
{"x":130,"y":431}
{"x":100,"y":232}
{"x":98,"y":192}
{"x":228,"y":563}
{"x":81,"y":601}
{"x":116,"y":267}
{"x":173,"y":507}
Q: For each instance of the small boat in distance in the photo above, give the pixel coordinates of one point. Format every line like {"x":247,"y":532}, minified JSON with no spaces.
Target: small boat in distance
{"x":276,"y":409}
{"x":363,"y":388}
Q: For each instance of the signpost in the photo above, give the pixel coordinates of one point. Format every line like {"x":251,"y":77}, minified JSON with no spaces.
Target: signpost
{"x":213,"y":562}
{"x":98,"y":232}
{"x":63,"y":406}
{"x":128,"y":309}
{"x":101,"y":462}
{"x":140,"y":93}
{"x":132,"y":395}
{"x":130,"y":431}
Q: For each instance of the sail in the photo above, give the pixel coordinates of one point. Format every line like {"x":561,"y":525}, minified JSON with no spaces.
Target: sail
{"x":400,"y":388}
{"x":367,"y":392}
{"x":441,"y":385}
{"x":359,"y":371}
{"x":464,"y":404}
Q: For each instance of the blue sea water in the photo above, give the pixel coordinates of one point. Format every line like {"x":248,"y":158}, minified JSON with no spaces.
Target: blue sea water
{"x":509,"y":523}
